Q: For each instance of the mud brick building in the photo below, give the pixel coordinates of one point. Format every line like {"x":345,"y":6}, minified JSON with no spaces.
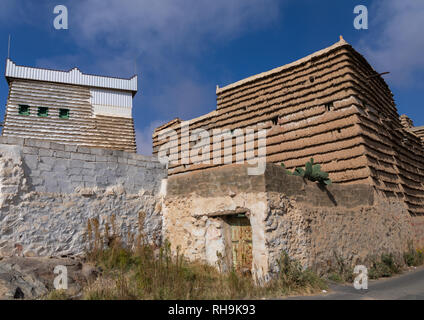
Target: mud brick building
{"x":409,"y":125}
{"x":332,"y":106}
{"x":70,"y":107}
{"x":231,"y":219}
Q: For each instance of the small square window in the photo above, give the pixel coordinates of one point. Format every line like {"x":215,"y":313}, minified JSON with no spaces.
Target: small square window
{"x":43,"y":112}
{"x":64,"y":113}
{"x":329,"y":106}
{"x":24,"y":110}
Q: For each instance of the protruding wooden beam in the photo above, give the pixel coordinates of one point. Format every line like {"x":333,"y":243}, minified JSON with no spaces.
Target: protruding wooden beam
{"x":228,"y":212}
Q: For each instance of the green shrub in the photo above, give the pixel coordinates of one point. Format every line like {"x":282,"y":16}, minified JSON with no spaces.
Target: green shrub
{"x":57,"y":295}
{"x":292,"y":276}
{"x":311,"y":172}
{"x":335,"y":277}
{"x":341,"y":271}
{"x":386,"y":266}
{"x":413,"y":257}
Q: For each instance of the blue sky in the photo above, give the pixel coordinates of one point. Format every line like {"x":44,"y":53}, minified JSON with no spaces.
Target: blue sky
{"x":183,"y":49}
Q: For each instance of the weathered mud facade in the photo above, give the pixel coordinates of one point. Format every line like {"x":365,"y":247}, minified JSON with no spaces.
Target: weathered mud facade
{"x":50,"y":191}
{"x":332,"y":106}
{"x":313,"y":224}
{"x":408,"y":124}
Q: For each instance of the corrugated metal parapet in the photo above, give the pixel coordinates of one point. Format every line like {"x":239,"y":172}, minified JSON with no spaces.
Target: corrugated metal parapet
{"x":74,"y":76}
{"x":111,"y":103}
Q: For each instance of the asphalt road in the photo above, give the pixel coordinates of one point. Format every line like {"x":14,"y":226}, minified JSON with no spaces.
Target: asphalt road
{"x":407,"y":286}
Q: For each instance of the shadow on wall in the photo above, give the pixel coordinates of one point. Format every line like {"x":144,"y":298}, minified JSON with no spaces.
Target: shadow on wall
{"x":329,"y":194}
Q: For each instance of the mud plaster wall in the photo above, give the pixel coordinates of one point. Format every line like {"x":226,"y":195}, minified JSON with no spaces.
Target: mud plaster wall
{"x":298,"y":96}
{"x":319,"y":236}
{"x":50,"y":190}
{"x":312,"y":224}
{"x":192,"y":197}
{"x":330,"y":106}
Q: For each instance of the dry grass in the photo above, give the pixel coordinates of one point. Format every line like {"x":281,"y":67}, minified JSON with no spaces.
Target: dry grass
{"x":382,"y":266}
{"x":414,"y":257}
{"x":57,"y":295}
{"x":150,"y":272}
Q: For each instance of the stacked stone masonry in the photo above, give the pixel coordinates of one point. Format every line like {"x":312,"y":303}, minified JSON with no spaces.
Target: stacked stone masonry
{"x":49,"y":191}
{"x":332,"y":106}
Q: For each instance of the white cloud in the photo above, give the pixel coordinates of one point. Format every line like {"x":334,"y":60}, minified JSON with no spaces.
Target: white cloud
{"x":12,"y":12}
{"x":184,"y":99}
{"x":118,"y":66}
{"x":7,"y":7}
{"x":395,"y":41}
{"x":153,"y":31}
{"x":25,"y":12}
{"x":166,"y":37}
{"x":146,"y":24}
{"x":64,"y":62}
{"x":144,"y":137}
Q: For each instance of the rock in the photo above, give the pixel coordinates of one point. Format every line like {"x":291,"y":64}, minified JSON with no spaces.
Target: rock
{"x":32,"y":277}
{"x":14,"y":284}
{"x":232,"y":194}
{"x":89,"y":272}
{"x":18,"y":294}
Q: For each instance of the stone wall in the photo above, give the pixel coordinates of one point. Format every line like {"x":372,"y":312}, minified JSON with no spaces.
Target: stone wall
{"x":50,"y":190}
{"x":313,"y":224}
{"x":319,"y":235}
{"x":418,"y":224}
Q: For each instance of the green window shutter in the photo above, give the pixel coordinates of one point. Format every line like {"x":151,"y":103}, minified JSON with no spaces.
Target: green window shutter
{"x":43,"y":112}
{"x":24,"y":110}
{"x":64,"y":113}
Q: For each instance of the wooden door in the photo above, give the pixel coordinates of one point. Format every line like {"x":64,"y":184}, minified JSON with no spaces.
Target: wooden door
{"x":241,"y":243}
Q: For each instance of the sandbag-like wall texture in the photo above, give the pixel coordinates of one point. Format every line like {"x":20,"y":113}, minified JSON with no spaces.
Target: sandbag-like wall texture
{"x":332,"y":106}
{"x":81,"y":128}
{"x":419,"y":131}
{"x":50,"y":192}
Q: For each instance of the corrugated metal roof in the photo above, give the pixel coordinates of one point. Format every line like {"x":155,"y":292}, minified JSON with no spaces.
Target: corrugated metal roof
{"x":111,"y":98}
{"x":111,"y":102}
{"x":74,"y":76}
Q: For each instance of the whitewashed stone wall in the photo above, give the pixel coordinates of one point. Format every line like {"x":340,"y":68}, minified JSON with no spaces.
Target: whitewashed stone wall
{"x":201,"y":237}
{"x":50,"y":190}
